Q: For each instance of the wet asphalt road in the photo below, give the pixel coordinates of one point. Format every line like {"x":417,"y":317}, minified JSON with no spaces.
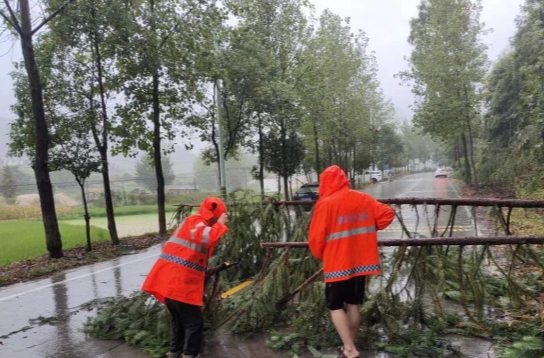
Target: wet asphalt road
{"x":421,"y":220}
{"x":24,"y":335}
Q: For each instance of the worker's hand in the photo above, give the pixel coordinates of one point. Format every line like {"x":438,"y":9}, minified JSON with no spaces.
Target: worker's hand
{"x":224,"y":219}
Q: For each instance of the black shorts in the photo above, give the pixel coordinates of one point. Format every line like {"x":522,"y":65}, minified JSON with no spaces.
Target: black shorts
{"x":350,"y":292}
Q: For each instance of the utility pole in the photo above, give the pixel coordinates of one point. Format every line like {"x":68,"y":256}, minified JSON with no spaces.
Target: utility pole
{"x":222,"y":174}
{"x":221,"y":155}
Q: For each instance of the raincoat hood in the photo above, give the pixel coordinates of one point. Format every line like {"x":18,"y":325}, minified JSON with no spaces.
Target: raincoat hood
{"x":207,"y":211}
{"x":331,"y":181}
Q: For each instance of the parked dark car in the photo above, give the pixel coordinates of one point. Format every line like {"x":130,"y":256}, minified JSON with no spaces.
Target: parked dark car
{"x":307,"y":192}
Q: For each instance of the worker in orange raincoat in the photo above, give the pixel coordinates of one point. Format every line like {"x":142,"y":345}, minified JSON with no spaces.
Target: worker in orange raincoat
{"x":343,"y":235}
{"x":177,"y":278}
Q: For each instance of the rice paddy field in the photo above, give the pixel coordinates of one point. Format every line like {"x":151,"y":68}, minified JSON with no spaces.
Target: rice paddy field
{"x":24,"y":239}
{"x":20,"y":239}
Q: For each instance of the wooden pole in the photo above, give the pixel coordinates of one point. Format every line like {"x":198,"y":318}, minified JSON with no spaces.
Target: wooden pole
{"x":435,"y":241}
{"x":507,"y":203}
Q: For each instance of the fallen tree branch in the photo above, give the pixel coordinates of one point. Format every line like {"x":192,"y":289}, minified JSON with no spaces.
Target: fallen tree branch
{"x":289,"y":297}
{"x":435,"y":241}
{"x":507,"y":203}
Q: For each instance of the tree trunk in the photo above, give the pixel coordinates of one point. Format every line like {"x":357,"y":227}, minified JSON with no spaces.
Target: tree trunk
{"x":218,"y":175}
{"x":316,"y":144}
{"x":261,"y":155}
{"x":468,"y":176}
{"x":456,"y":154}
{"x":103,"y":147}
{"x":472,"y":162}
{"x":470,"y":136}
{"x":285,"y":174}
{"x":353,"y":172}
{"x":157,"y":151}
{"x":86,"y":215}
{"x":157,"y":155}
{"x":109,"y":199}
{"x":41,"y":168}
{"x":291,"y":186}
{"x":216,"y":147}
{"x":335,"y":152}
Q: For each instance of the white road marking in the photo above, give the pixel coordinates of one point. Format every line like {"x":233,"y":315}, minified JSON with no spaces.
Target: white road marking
{"x":75,"y":278}
{"x":467,"y":211}
{"x":407,"y":190}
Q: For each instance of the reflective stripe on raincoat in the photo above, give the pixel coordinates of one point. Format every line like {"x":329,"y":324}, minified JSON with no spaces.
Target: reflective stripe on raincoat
{"x":343,"y":228}
{"x":180,"y":271}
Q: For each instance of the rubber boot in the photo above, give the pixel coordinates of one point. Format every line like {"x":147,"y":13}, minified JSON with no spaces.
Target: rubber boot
{"x":173,"y":355}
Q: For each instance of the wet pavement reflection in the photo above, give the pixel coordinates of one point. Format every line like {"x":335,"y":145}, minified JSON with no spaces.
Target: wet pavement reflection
{"x":421,"y":219}
{"x":44,"y":318}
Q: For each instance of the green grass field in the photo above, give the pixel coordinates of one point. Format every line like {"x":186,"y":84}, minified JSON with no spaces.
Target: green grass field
{"x":20,"y":240}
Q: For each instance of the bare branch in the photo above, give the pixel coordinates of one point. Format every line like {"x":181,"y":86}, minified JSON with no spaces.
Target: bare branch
{"x":52,"y":16}
{"x":13,"y":21}
{"x":176,"y":26}
{"x":8,"y":20}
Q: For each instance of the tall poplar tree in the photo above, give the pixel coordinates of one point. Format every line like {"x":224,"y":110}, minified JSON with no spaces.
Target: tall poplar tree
{"x":21,"y":24}
{"x":162,"y":72}
{"x":447,"y":68}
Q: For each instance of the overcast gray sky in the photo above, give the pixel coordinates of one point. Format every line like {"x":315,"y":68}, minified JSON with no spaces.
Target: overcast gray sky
{"x":386,"y":23}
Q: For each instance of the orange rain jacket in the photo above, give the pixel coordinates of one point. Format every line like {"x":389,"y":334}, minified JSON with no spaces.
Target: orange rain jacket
{"x":343,"y":228}
{"x":180,"y":271}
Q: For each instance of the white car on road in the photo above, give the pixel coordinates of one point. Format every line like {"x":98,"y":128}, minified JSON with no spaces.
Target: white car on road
{"x":375,"y":176}
{"x":441,"y":173}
